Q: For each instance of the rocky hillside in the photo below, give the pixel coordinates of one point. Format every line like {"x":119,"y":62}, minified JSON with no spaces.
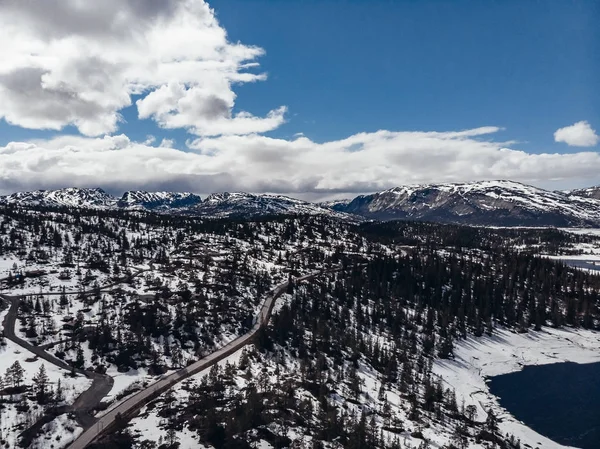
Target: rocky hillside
{"x":487,"y":203}
{"x":68,"y":197}
{"x":140,"y":199}
{"x":498,"y":203}
{"x":588,"y":192}
{"x":247,"y":204}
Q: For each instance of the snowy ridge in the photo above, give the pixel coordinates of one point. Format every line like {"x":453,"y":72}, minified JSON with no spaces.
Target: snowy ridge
{"x":588,"y":192}
{"x":496,"y":203}
{"x":335,"y":203}
{"x":140,"y":199}
{"x":70,"y":197}
{"x":503,"y":203}
{"x":248,"y":204}
{"x":215,"y":205}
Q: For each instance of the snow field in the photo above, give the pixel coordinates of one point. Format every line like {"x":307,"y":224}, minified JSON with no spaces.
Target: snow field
{"x":505,"y":352}
{"x":11,"y":353}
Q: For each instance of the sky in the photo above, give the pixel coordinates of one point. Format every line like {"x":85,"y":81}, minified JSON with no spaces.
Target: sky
{"x":312,"y":99}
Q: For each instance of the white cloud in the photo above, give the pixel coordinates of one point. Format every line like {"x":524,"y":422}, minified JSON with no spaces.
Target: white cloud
{"x":167,"y":143}
{"x":150,"y":139}
{"x":361,"y":163}
{"x":72,"y":62}
{"x":581,"y":134}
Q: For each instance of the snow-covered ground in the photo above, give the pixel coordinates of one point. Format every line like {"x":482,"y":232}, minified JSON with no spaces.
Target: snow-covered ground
{"x":149,"y":426}
{"x":506,"y":352}
{"x":582,"y":231}
{"x":582,"y":257}
{"x":11,"y":353}
{"x":57,"y":433}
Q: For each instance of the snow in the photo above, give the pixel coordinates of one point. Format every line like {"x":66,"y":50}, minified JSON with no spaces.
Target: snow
{"x":71,"y":196}
{"x":140,"y":199}
{"x":152,"y":428}
{"x":483,"y":195}
{"x":122,"y":381}
{"x":506,"y":352}
{"x":583,"y":258}
{"x":11,"y":353}
{"x":582,"y":231}
{"x":148,"y":426}
{"x":126,"y":383}
{"x":215,"y":205}
{"x":57,"y":433}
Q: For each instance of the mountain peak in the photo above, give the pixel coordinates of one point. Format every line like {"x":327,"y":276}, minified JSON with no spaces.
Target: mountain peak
{"x":497,"y":203}
{"x":250,"y":204}
{"x":588,"y":192}
{"x":69,"y":196}
{"x":141,"y":199}
{"x":500,"y":203}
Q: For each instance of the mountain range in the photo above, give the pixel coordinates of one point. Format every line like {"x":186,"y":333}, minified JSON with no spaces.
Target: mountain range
{"x":215,"y":205}
{"x":488,"y":203}
{"x":500,"y":203}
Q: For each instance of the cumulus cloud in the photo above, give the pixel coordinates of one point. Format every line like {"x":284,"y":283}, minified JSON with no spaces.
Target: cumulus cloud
{"x":72,"y":62}
{"x":363,"y":162}
{"x":167,"y":143}
{"x":580,"y":134}
{"x":79,"y":63}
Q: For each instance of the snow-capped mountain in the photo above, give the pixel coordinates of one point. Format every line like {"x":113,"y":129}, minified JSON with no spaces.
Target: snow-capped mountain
{"x":332,"y":204}
{"x":497,"y":203}
{"x":500,"y":203}
{"x":99,"y":199}
{"x":588,"y":192}
{"x":215,"y":205}
{"x":140,"y":199}
{"x":248,"y":204}
{"x":70,"y":197}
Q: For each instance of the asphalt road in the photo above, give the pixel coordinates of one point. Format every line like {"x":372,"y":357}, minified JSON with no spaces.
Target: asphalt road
{"x":89,"y":399}
{"x":137,"y":401}
{"x":102,"y":384}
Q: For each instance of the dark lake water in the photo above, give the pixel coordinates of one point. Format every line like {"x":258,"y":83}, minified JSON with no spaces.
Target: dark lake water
{"x":582,"y":263}
{"x":560,"y":401}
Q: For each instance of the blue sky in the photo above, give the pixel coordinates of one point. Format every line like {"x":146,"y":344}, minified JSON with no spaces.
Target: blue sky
{"x":349,"y":66}
{"x":341,"y":68}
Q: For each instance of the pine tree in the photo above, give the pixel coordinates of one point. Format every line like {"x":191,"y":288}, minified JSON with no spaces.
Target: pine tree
{"x":80,"y":358}
{"x":491,"y":421}
{"x":471,"y":412}
{"x":460,"y":436}
{"x":59,"y":393}
{"x":41,"y":381}
{"x":15,"y":374}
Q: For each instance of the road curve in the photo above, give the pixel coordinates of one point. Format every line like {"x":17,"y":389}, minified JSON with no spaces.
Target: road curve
{"x":137,"y":401}
{"x":86,"y":401}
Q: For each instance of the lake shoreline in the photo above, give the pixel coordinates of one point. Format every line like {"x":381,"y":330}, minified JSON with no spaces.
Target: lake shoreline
{"x":559,"y":400}
{"x":478,"y":359}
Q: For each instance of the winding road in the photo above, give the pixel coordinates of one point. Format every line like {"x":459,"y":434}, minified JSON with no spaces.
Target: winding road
{"x":101,"y":385}
{"x":133,"y":404}
{"x":93,"y":427}
{"x":86,"y":401}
